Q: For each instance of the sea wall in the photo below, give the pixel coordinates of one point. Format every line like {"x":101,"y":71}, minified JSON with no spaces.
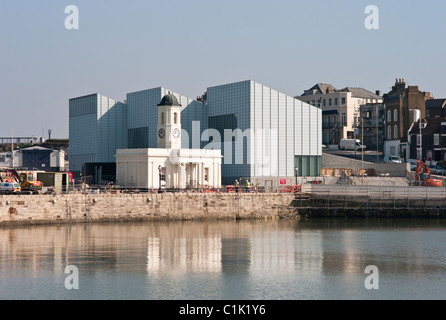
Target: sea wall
{"x":77,"y":208}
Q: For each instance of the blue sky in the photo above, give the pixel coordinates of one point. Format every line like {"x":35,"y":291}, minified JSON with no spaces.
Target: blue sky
{"x":189,"y":45}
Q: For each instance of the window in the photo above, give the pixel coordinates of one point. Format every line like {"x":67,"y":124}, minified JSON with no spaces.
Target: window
{"x":436,"y":139}
{"x":329,"y":102}
{"x":325,"y":102}
{"x":336,"y":101}
{"x":162,"y":173}
{"x":389,"y":116}
{"x":393,"y":151}
{"x":163,"y":120}
{"x":2,"y":159}
{"x":343,"y":101}
{"x":308,"y":165}
{"x":418,"y":139}
{"x":138,"y":138}
{"x":395,"y":132}
{"x":206,"y":174}
{"x":389,"y":132}
{"x":175,"y":118}
{"x":367,"y":114}
{"x":395,"y":115}
{"x":344,"y":119}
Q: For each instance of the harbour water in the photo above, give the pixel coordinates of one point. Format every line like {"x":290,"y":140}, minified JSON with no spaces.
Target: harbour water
{"x":316,"y":259}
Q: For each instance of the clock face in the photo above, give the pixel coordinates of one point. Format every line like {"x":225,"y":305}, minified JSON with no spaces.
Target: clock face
{"x":176,"y":133}
{"x":162,"y":133}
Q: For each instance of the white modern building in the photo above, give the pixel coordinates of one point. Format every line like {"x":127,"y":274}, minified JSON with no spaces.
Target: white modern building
{"x":97,"y":127}
{"x":264,"y":135}
{"x":268,"y":137}
{"x":168,"y":166}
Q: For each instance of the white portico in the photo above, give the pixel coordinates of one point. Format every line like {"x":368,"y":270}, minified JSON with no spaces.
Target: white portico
{"x":168,"y":166}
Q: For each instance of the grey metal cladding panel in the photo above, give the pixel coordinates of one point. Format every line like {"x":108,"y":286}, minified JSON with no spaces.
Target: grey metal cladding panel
{"x":298,"y":128}
{"x":83,"y":106}
{"x":290,"y":136}
{"x":282,"y":134}
{"x":232,"y":98}
{"x":141,"y":107}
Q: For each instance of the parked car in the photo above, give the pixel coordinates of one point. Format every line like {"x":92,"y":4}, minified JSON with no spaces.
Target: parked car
{"x":436,"y":169}
{"x":392,"y":159}
{"x":10,"y":187}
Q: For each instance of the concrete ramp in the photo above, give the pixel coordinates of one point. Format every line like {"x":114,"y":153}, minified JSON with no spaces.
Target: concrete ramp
{"x":381,"y":181}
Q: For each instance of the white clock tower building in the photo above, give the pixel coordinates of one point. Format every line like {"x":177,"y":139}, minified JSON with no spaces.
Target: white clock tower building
{"x":169,"y":166}
{"x":169,"y":123}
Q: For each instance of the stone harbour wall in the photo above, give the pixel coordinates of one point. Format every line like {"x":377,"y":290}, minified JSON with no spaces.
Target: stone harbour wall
{"x":77,"y":208}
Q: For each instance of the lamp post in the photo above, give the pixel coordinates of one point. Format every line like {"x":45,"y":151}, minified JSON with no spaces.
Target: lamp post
{"x":362,"y":149}
{"x":421,"y":143}
{"x":159,"y":171}
{"x":377,"y":138}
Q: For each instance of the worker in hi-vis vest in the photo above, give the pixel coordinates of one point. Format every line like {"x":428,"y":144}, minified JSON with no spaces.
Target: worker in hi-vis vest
{"x":248,"y":185}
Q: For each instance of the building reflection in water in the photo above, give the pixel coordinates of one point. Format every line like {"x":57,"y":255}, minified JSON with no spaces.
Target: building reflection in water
{"x":219,"y":248}
{"x":182,"y":255}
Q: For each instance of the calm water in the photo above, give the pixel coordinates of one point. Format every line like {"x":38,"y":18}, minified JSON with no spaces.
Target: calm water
{"x":266,"y":260}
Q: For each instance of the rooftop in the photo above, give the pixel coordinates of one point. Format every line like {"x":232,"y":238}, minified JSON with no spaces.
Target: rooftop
{"x":323,"y":88}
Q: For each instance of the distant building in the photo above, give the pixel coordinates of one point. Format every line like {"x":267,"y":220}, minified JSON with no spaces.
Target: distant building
{"x":21,"y":140}
{"x":34,"y":157}
{"x":372,"y":116}
{"x":400,"y":104}
{"x":430,"y":145}
{"x":340,"y":109}
{"x":6,"y":159}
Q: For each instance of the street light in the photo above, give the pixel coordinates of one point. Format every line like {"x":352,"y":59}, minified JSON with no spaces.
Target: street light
{"x":362,"y":149}
{"x":159,"y":171}
{"x":377,"y":131}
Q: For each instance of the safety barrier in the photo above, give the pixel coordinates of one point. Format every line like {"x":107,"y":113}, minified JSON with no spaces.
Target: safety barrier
{"x":290,"y":189}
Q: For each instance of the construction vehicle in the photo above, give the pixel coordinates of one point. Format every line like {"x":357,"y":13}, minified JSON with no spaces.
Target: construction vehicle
{"x":423,"y":176}
{"x":27,"y":180}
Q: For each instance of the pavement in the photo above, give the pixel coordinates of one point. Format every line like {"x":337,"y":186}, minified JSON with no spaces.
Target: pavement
{"x":369,"y":156}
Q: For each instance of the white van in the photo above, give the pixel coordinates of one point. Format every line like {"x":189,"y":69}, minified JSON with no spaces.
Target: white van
{"x":351,"y":144}
{"x":10,"y":187}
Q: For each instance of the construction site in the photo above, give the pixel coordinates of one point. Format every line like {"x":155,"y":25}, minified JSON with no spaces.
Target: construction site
{"x":352,"y":188}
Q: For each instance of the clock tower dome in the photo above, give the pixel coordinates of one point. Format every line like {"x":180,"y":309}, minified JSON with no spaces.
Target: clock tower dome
{"x":169,"y":123}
